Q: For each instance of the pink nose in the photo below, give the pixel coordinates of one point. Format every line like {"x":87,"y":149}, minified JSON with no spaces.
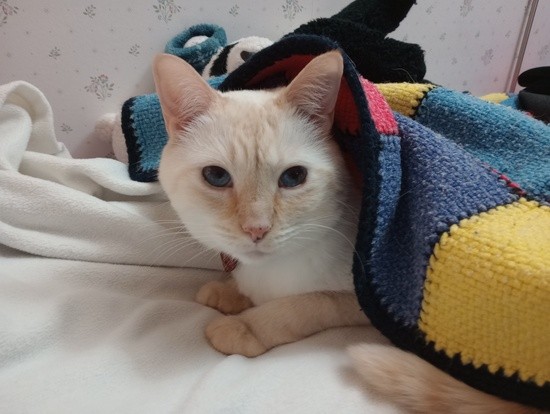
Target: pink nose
{"x":256,"y":233}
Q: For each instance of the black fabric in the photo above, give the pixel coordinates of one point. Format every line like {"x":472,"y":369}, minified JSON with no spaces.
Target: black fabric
{"x":219,"y":67}
{"x":383,"y":16}
{"x":536,"y":80}
{"x":538,"y":104}
{"x":361,"y":28}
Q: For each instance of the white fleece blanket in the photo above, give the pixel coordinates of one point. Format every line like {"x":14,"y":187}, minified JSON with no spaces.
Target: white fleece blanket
{"x":96,"y":297}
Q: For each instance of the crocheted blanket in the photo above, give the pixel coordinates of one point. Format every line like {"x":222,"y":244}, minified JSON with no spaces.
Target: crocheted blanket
{"x":510,"y":142}
{"x":452,"y":257}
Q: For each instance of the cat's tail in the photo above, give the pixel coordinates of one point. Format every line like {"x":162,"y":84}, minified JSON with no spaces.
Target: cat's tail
{"x":414,"y":384}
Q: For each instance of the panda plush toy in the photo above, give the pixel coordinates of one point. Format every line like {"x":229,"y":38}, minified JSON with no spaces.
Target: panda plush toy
{"x":230,"y":57}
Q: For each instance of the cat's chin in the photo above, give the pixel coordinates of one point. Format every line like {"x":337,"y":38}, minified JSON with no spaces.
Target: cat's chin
{"x":253,"y":256}
{"x":256,"y":255}
{"x":265,"y":253}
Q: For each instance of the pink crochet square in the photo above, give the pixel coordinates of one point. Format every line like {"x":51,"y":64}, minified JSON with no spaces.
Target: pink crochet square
{"x":380,"y":110}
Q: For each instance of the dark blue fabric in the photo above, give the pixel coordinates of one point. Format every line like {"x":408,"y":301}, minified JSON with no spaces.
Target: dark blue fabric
{"x":504,"y":138}
{"x":440,"y":184}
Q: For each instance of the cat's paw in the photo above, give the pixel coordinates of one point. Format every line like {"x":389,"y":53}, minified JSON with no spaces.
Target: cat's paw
{"x":231,"y":335}
{"x":223,"y":297}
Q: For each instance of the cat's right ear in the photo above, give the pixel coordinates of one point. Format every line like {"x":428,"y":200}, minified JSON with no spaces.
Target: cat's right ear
{"x":183,"y":94}
{"x":315,"y":89}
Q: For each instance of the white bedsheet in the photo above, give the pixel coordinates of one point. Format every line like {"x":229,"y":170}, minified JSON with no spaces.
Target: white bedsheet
{"x":96,"y":298}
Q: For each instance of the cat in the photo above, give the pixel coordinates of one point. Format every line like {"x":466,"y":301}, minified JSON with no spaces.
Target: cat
{"x":258,"y":176}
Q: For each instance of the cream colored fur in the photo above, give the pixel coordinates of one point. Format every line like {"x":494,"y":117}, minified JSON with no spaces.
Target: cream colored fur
{"x":296,"y":280}
{"x":256,"y":135}
{"x":415,"y":384}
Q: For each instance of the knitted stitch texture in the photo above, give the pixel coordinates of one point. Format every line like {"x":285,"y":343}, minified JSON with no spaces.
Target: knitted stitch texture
{"x":504,"y":138}
{"x":464,"y":279}
{"x":478,"y":311}
{"x":198,"y":55}
{"x":428,"y":200}
{"x":145,"y":134}
{"x":404,"y":98}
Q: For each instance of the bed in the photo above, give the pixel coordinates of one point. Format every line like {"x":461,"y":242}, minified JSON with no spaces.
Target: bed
{"x":96,"y":297}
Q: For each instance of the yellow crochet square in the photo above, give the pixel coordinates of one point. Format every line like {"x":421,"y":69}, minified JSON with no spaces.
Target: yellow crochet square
{"x":496,"y":97}
{"x":404,"y":97}
{"x":487,"y":292}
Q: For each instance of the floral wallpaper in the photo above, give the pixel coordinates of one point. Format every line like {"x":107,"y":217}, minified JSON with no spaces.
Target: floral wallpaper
{"x":89,"y":56}
{"x":469,"y":44}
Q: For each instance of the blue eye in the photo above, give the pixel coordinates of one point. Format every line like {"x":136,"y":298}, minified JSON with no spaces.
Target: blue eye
{"x":216,"y":176}
{"x":293,"y":177}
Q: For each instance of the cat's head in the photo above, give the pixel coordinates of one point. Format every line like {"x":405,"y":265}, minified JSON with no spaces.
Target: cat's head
{"x":253,"y":173}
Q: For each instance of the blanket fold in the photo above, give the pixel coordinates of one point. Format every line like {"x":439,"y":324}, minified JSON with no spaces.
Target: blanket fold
{"x":55,"y":206}
{"x":452,"y":257}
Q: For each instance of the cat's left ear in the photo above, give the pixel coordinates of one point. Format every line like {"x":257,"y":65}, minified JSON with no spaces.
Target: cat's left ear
{"x":315,"y":90}
{"x":183,"y":94}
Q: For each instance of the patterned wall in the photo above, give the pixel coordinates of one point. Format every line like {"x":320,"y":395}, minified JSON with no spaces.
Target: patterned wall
{"x":469,"y":44}
{"x":90,"y":56}
{"x":538,"y":48}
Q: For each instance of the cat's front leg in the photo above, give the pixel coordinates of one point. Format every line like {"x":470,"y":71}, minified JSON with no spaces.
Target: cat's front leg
{"x":283,"y":320}
{"x":223,"y":296}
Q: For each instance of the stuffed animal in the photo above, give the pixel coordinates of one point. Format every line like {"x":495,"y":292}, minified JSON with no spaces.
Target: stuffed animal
{"x":203,"y":46}
{"x":229,"y":58}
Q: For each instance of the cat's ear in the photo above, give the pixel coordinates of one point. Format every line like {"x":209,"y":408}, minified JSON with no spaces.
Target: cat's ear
{"x":183,"y":94}
{"x":315,"y":90}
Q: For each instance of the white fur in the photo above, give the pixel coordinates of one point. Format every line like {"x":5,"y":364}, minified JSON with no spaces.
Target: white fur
{"x":325,"y":266}
{"x":319,"y":255}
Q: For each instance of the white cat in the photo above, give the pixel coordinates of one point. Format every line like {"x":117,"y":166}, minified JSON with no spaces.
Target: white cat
{"x":257,"y":175}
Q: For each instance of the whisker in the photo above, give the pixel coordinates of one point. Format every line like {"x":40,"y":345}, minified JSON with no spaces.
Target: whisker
{"x":161,"y":233}
{"x":176,"y":248}
{"x":353,"y":209}
{"x":164,"y":251}
{"x":343,"y":236}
